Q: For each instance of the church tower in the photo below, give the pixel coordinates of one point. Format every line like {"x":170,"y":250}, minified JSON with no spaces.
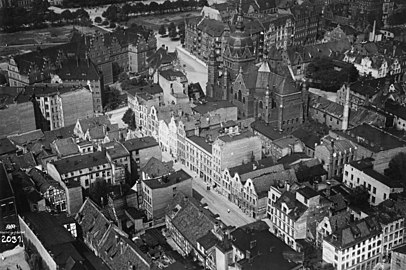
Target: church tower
{"x":212,"y":70}
{"x":239,"y":51}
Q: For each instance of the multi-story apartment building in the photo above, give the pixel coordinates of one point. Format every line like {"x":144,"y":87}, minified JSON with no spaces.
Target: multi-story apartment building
{"x":255,"y":191}
{"x":174,"y":85}
{"x":199,"y":157}
{"x":233,"y":179}
{"x":232,"y":149}
{"x":62,"y":105}
{"x":279,"y":30}
{"x":361,"y":173}
{"x":84,"y":169}
{"x":141,"y":151}
{"x":356,"y":246}
{"x":293,"y":211}
{"x":159,"y":192}
{"x":82,"y":72}
{"x":392,"y":223}
{"x":334,"y":154}
{"x":120,"y":160}
{"x":202,"y":33}
{"x":307,"y":23}
{"x":398,"y":258}
{"x":50,"y":189}
{"x":372,"y":142}
{"x":17,"y":111}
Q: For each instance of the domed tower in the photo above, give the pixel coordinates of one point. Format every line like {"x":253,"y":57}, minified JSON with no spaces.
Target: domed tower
{"x":239,"y":50}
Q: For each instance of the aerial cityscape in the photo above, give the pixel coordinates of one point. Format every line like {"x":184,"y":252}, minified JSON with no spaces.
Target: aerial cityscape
{"x":203,"y":134}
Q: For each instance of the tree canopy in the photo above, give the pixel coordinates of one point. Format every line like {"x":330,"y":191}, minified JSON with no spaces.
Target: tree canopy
{"x":129,"y":119}
{"x":397,"y":167}
{"x":330,"y":76}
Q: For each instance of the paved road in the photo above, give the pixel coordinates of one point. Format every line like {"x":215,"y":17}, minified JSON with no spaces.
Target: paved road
{"x":217,"y":203}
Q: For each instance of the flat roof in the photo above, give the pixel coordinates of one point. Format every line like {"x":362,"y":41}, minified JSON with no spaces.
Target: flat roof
{"x":167,"y":181}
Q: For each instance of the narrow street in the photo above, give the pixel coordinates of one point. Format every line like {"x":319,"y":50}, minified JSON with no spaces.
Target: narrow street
{"x":217,"y":203}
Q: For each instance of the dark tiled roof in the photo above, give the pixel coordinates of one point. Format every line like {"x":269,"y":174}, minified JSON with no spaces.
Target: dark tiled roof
{"x":70,"y":164}
{"x":212,"y":27}
{"x":53,"y":236}
{"x":368,"y":87}
{"x":135,"y":213}
{"x":287,"y":160}
{"x":307,"y":192}
{"x":171,"y":74}
{"x":355,"y":233}
{"x":202,"y":142}
{"x":211,"y":106}
{"x":151,"y":89}
{"x":400,"y":249}
{"x":140,"y":143}
{"x":156,"y":168}
{"x":64,"y":132}
{"x":15,"y":162}
{"x":190,"y":218}
{"x":372,"y":138}
{"x":308,"y":138}
{"x":97,"y":121}
{"x":66,"y":147}
{"x":116,"y":149}
{"x":266,"y":250}
{"x":7,"y":146}
{"x":297,"y":208}
{"x":6,"y":191}
{"x":395,"y":109}
{"x":28,"y":137}
{"x":161,"y":57}
{"x":78,"y":69}
{"x":270,"y":131}
{"x":249,"y":167}
{"x":366,"y":167}
{"x":43,"y":181}
{"x":262,"y":183}
{"x":388,"y":212}
{"x":168,"y":180}
{"x":208,"y":241}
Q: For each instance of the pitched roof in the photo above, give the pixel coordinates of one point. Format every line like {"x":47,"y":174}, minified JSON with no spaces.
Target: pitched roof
{"x":190,"y":218}
{"x":78,"y":69}
{"x":266,"y":250}
{"x":66,"y":147}
{"x":43,"y":181}
{"x":7,"y":146}
{"x":88,"y":123}
{"x":262,"y":183}
{"x":116,"y":150}
{"x":172,"y":75}
{"x":212,"y":106}
{"x":140,"y":143}
{"x":395,"y":109}
{"x":156,"y":168}
{"x":208,"y":240}
{"x":297,"y":208}
{"x":354,"y":233}
{"x":252,"y":166}
{"x":372,"y":138}
{"x":147,"y":90}
{"x":212,"y":27}
{"x":75,"y":163}
{"x":27,"y":137}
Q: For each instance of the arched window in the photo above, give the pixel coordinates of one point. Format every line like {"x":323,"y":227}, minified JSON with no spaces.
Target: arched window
{"x":239,"y":95}
{"x":231,"y":89}
{"x":260,"y":105}
{"x":235,"y":96}
{"x":243,"y":100}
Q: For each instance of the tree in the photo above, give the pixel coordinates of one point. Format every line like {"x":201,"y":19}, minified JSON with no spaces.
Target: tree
{"x":98,"y":191}
{"x":173,"y":33}
{"x":105,"y":23}
{"x":162,"y":30}
{"x":171,"y":26}
{"x":359,"y":197}
{"x":129,"y":119}
{"x":397,"y":167}
{"x":98,"y":19}
{"x":67,"y":15}
{"x":112,"y":25}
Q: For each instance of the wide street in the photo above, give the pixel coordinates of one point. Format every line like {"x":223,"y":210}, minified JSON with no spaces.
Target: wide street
{"x":217,"y":203}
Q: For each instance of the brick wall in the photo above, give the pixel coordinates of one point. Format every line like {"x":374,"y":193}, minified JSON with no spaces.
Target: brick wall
{"x":17,"y":118}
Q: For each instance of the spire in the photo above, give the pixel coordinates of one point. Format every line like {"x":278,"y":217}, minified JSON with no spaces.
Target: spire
{"x":240,"y":18}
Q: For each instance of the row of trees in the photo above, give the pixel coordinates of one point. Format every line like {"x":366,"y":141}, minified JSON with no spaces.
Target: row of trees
{"x":116,"y":13}
{"x":14,"y":19}
{"x":173,"y":31}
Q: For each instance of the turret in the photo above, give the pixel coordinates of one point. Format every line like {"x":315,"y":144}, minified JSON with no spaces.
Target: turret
{"x":212,"y":72}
